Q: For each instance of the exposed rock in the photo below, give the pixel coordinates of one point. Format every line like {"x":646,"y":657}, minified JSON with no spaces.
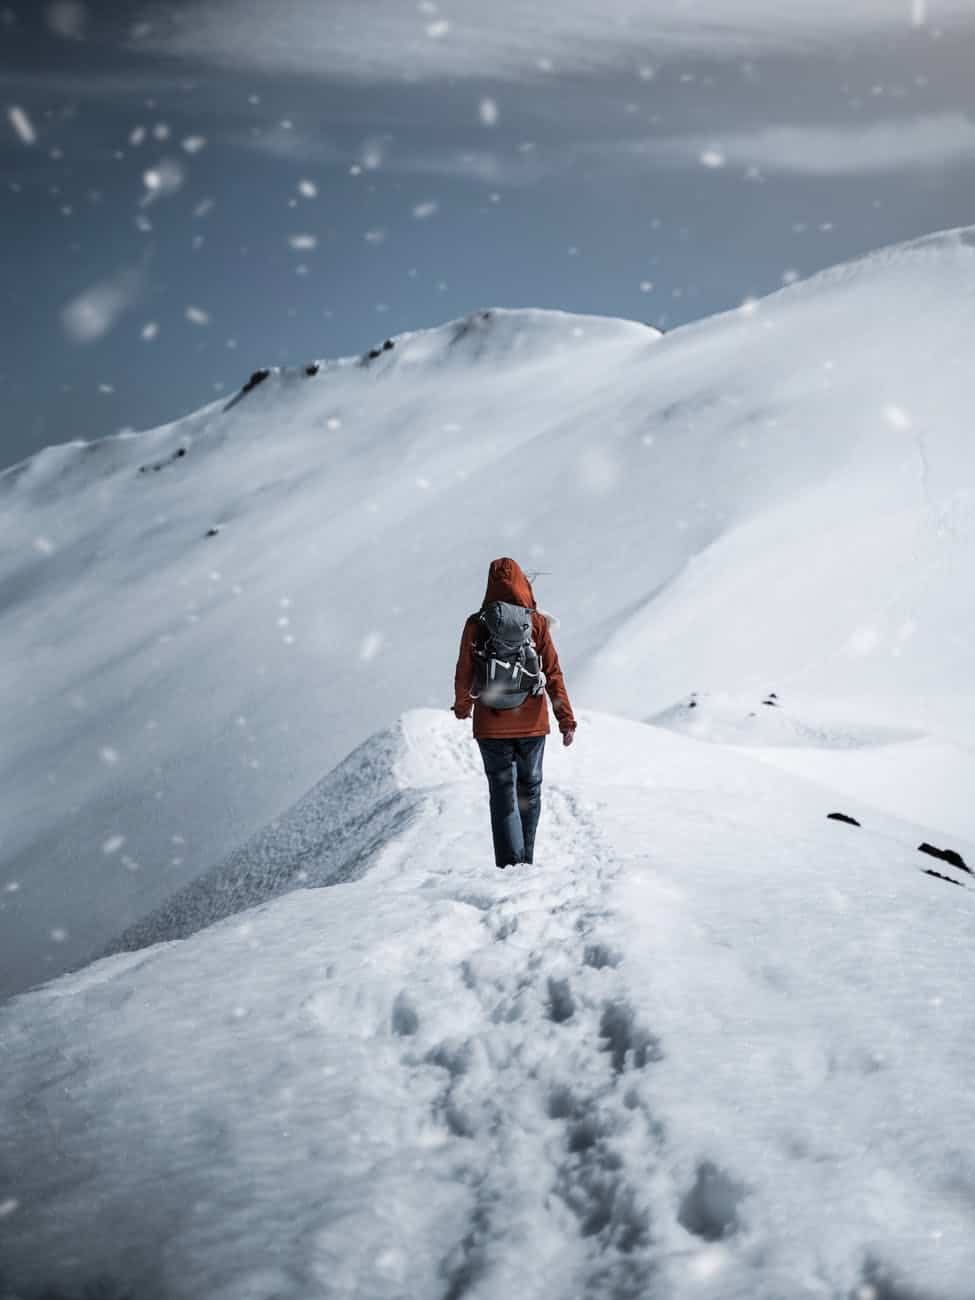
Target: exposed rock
{"x":938,"y":876}
{"x":946,"y":855}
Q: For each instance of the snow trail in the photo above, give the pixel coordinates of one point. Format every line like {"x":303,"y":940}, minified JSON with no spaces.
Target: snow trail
{"x":561,"y":1037}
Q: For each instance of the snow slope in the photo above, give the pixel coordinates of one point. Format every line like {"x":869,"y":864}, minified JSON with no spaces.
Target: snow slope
{"x":780,"y":498}
{"x":711,"y":1047}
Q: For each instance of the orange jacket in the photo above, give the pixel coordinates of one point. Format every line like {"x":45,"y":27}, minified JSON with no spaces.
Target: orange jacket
{"x":506,"y":581}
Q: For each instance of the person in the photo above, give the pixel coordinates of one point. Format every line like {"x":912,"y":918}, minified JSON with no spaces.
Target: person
{"x":512,"y":740}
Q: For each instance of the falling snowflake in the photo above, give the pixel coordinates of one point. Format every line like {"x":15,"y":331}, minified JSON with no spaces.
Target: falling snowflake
{"x":372,"y":155}
{"x":113,"y":844}
{"x":371,"y":645}
{"x":864,"y":641}
{"x":59,"y":934}
{"x":43,"y":546}
{"x":439,"y":29}
{"x":374,"y":236}
{"x":22,"y":124}
{"x":712,"y":158}
{"x":194,"y":143}
{"x":168,"y":177}
{"x":897,"y":417}
{"x":150,"y":331}
{"x":300,"y":242}
{"x":708,"y":1263}
{"x":94,"y":312}
{"x":423,"y":210}
{"x":488,"y":112}
{"x":137,"y":136}
{"x":67,"y":18}
{"x":197,"y":316}
{"x":308,"y":189}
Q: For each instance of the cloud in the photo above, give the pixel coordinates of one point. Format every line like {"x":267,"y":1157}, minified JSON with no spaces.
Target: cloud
{"x":522,"y":166}
{"x":376,"y":40}
{"x":896,"y":145}
{"x":107,"y":87}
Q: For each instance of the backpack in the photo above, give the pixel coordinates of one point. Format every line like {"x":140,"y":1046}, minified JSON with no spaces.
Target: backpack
{"x":506,"y":665}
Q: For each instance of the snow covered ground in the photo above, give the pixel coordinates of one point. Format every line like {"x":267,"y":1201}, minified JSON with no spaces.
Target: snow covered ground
{"x":712,"y":1046}
{"x":776,"y":499}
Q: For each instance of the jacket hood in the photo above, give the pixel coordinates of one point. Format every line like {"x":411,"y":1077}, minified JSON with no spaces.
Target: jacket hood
{"x":507,"y":581}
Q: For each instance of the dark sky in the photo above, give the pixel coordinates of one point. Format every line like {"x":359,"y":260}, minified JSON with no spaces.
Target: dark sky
{"x":192,"y":191}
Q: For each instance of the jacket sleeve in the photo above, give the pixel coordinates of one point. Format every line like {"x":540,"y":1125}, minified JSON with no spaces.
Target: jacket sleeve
{"x":554,"y":683}
{"x":464,"y":673}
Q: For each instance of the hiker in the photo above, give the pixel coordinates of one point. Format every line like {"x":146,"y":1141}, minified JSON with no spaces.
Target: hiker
{"x":506,"y":664}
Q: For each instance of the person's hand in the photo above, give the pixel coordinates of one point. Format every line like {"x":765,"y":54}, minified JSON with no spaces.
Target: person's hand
{"x":568,"y":736}
{"x":461,"y":717}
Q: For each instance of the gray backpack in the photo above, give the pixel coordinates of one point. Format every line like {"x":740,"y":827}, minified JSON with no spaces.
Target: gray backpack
{"x":506,"y":665}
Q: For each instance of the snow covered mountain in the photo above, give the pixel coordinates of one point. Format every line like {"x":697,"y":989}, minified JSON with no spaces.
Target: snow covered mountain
{"x":715,"y":1045}
{"x":198,"y":621}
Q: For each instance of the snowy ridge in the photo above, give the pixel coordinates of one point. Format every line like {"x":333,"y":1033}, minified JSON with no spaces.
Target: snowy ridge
{"x":707,"y":1048}
{"x":331,"y":835}
{"x":197,"y":622}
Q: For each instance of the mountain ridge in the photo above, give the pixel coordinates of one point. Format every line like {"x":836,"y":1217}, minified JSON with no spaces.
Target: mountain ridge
{"x":779,"y":498}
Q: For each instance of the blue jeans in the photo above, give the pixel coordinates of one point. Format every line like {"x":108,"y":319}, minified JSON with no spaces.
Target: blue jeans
{"x":514,"y":773}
